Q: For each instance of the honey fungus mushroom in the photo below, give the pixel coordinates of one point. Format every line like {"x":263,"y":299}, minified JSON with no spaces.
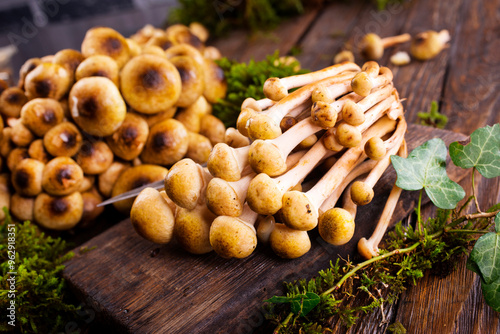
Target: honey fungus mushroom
{"x":150,"y":84}
{"x":11,"y":102}
{"x":192,"y":229}
{"x":69,"y":59}
{"x":94,"y":157}
{"x":135,"y":177}
{"x":167,"y":143}
{"x":63,"y":139}
{"x":58,"y":212}
{"x":37,"y":151}
{"x":128,"y":141}
{"x":98,"y":66}
{"x":97,"y":106}
{"x":192,"y":78}
{"x":41,"y":114}
{"x":62,"y":176}
{"x":108,"y":42}
{"x":152,"y":217}
{"x":428,"y":44}
{"x":47,"y":80}
{"x":28,"y":66}
{"x":27,"y":177}
{"x":22,"y":207}
{"x":288,"y":243}
{"x":91,"y":198}
{"x":372,"y":46}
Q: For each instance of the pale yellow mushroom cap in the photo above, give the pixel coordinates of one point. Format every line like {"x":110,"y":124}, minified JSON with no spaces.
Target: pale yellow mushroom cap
{"x":263,"y":195}
{"x":298,"y":212}
{"x":232,"y":238}
{"x":336,"y":226}
{"x":265,"y":157}
{"x":289,"y":243}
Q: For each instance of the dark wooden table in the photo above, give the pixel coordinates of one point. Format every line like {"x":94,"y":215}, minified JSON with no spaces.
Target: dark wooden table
{"x":464,"y":79}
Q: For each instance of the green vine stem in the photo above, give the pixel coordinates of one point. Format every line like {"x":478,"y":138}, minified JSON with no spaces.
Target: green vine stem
{"x":474,"y":189}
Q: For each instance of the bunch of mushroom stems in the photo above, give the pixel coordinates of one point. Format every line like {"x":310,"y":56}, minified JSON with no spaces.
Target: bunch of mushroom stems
{"x":334,"y":129}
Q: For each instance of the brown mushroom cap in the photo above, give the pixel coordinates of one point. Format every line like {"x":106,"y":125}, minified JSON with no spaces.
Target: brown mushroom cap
{"x":98,"y":66}
{"x":372,"y":47}
{"x":222,"y":199}
{"x":69,"y":59}
{"x":152,"y":217}
{"x":263,"y":195}
{"x":265,"y":157}
{"x":97,"y":106}
{"x":41,"y":114}
{"x":91,"y":198}
{"x":108,"y":42}
{"x":11,"y":102}
{"x":215,"y":82}
{"x":212,"y":128}
{"x":27,"y":177}
{"x":184,"y":183}
{"x":289,"y":243}
{"x":199,"y":148}
{"x":94,"y":157}
{"x":58,"y":213}
{"x":192,"y":79}
{"x":150,"y":84}
{"x":180,"y":34}
{"x":336,"y":226}
{"x":192,"y":229}
{"x":6,"y":145}
{"x":304,"y":217}
{"x":128,"y":141}
{"x":22,"y":207}
{"x":167,"y":143}
{"x":106,"y":180}
{"x":135,"y":177}
{"x":28,"y":66}
{"x":15,"y":156}
{"x":62,"y":176}
{"x":47,"y":80}
{"x":64,"y":139}
{"x":37,"y":151}
{"x":231,"y":237}
{"x":428,"y":44}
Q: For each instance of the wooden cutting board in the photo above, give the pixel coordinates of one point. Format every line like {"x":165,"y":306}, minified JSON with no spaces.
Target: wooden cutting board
{"x":140,"y":287}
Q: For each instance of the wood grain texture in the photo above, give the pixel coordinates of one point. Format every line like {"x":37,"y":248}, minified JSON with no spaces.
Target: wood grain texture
{"x":175,"y":292}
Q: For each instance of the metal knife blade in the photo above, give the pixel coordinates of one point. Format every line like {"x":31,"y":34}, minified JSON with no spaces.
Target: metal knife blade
{"x":132,"y":193}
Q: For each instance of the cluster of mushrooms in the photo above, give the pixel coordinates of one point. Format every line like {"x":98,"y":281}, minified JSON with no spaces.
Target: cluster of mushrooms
{"x":423,"y":46}
{"x":82,"y":126}
{"x":304,"y":157}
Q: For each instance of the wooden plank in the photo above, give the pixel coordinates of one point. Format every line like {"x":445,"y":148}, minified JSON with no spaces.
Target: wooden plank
{"x":176,"y":292}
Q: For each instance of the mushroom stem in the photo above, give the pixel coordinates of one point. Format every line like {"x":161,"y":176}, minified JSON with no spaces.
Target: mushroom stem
{"x":269,"y":156}
{"x":257,"y":105}
{"x":265,"y":194}
{"x":300,"y":210}
{"x":276,"y":88}
{"x":225,"y":198}
{"x":369,"y":248}
{"x":363,"y":82}
{"x":265,"y":124}
{"x":393,"y":40}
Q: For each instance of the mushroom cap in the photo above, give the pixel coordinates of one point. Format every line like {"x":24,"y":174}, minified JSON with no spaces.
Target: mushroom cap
{"x":348,"y":135}
{"x":150,"y":84}
{"x":91,"y":198}
{"x":15,"y":156}
{"x":58,"y":213}
{"x":262,"y":126}
{"x":352,"y":113}
{"x":366,"y":249}
{"x":108,"y":42}
{"x":152,"y":217}
{"x":159,"y":117}
{"x":231,"y":237}
{"x":28,"y":66}
{"x":199,"y":148}
{"x":4,"y":194}
{"x":264,"y":195}
{"x":274,"y":89}
{"x":375,"y":148}
{"x":167,"y":143}
{"x":184,"y":183}
{"x":322,"y":114}
{"x":98,"y":66}
{"x":222,"y":199}
{"x":64,"y":139}
{"x":41,"y":114}
{"x":242,"y":121}
{"x":187,"y":50}
{"x":128,"y":141}
{"x":62,"y":176}
{"x":21,"y":136}
{"x":223,"y":164}
{"x":212,"y":128}
{"x":199,"y":31}
{"x":135,"y":177}
{"x":133,"y":47}
{"x":69,"y":59}
{"x":361,"y":193}
{"x":323,"y":94}
{"x":97,"y":106}
{"x":362,"y":84}
{"x":215,"y":82}
{"x":94,"y":157}
{"x":289,"y":243}
{"x":47,"y":80}
{"x":191,"y":116}
{"x":265,"y":157}
{"x":192,"y":80}
{"x":22,"y":207}
{"x":181,"y":34}
{"x":106,"y":180}
{"x":27,"y":177}
{"x":12,"y":100}
{"x":192,"y":229}
{"x":426,"y":45}
{"x":372,"y":47}
{"x":298,"y":211}
{"x":336,"y":226}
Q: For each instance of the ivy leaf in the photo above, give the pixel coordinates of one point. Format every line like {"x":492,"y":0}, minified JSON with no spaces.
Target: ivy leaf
{"x":491,"y":294}
{"x":482,"y":152}
{"x":425,"y":168}
{"x":300,"y":304}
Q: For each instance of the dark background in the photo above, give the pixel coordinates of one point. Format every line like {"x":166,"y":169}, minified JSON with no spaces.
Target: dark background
{"x":42,"y":27}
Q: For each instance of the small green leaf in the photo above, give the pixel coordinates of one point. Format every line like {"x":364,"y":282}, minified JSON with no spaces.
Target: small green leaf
{"x":482,"y":152}
{"x":425,"y":168}
{"x":433,"y":117}
{"x":497,"y":223}
{"x":305,"y":303}
{"x":486,"y":254}
{"x":491,"y":294}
